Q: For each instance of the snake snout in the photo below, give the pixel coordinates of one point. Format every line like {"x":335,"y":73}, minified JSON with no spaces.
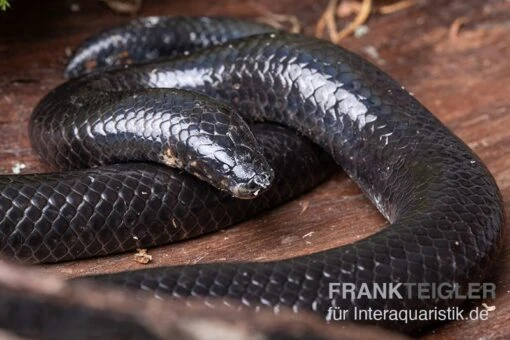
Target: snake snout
{"x":253,"y":187}
{"x":249,"y":180}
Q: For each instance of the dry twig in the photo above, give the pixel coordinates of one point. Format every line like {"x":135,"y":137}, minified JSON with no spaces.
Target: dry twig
{"x":360,"y":19}
{"x":328,"y":21}
{"x":279,"y":21}
{"x":327,"y":16}
{"x":398,"y":6}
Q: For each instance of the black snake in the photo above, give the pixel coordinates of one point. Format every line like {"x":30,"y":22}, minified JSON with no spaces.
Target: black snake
{"x":444,"y":206}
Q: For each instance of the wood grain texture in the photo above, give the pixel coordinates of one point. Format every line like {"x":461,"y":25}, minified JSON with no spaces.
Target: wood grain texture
{"x":463,"y":80}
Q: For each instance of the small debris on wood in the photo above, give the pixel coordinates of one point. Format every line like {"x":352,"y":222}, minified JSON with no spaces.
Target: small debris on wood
{"x":124,"y":6}
{"x":304,"y":206}
{"x":305,"y":236}
{"x":453,"y":33}
{"x":309,"y":234}
{"x":488,"y":308}
{"x":288,"y":240}
{"x":142,"y":257}
{"x":361,"y":31}
{"x":373,"y":53}
{"x":17,"y":167}
{"x":197,"y":259}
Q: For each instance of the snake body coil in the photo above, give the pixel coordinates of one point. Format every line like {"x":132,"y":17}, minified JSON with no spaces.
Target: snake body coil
{"x":444,"y":206}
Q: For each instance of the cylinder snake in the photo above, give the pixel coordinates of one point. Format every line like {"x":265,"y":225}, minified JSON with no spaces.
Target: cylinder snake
{"x":176,"y":105}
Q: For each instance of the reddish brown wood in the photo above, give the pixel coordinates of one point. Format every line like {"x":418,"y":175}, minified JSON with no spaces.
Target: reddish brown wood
{"x":464,"y":81}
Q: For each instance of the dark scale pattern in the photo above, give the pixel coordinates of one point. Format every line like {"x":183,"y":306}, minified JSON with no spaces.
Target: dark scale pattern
{"x":112,"y":209}
{"x":155,"y":37}
{"x":444,"y":206}
{"x":178,"y":128}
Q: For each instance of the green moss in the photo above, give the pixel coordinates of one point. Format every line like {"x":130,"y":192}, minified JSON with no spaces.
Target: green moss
{"x":4,"y":4}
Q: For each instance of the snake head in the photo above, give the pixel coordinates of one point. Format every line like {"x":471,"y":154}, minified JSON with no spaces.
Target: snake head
{"x":248,"y":175}
{"x":236,"y":168}
{"x":214,"y":144}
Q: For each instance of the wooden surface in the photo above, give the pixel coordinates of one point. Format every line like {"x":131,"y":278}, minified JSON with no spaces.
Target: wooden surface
{"x":463,"y":78}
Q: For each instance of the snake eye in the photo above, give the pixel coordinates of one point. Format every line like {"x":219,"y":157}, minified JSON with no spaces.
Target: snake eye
{"x":247,"y":157}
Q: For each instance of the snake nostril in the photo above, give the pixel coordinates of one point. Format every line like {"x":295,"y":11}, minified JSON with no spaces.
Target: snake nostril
{"x":261,"y":181}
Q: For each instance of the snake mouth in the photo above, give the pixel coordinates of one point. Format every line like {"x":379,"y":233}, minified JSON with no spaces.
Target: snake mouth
{"x":252,"y":188}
